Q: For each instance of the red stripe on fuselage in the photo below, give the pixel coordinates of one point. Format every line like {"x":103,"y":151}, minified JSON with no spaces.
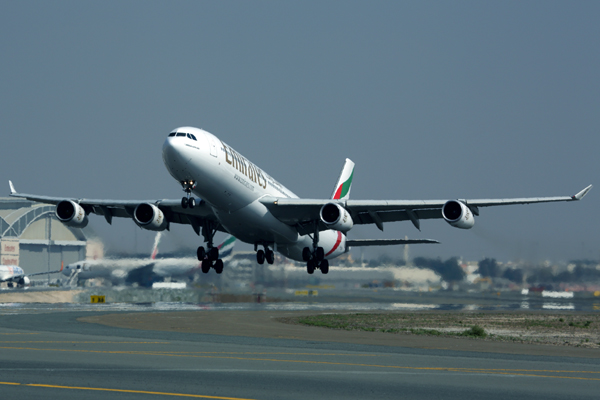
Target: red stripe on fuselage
{"x":337,"y":243}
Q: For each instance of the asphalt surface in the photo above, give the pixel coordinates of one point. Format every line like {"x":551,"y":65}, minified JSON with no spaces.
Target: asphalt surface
{"x":249,"y":355}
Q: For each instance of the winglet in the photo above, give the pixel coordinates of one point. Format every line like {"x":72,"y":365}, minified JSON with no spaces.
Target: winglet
{"x":12,"y":188}
{"x":580,"y":195}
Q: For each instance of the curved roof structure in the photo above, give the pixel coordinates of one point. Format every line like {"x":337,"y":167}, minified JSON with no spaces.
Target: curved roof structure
{"x":17,"y":217}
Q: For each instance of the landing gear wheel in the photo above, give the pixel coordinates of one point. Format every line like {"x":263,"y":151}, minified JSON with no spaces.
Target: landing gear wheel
{"x":206,"y":264}
{"x":324,"y":266}
{"x":320,"y":254}
{"x":306,"y":254}
{"x":201,"y":253}
{"x":191,"y":202}
{"x":310,"y":266}
{"x":184,"y":202}
{"x":260,"y":257}
{"x":213,"y":254}
{"x":218,"y":266}
{"x":270,"y":256}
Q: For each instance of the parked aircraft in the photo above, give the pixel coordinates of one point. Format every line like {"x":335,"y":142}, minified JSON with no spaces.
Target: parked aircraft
{"x":15,"y":276}
{"x":143,"y":271}
{"x":237,"y":197}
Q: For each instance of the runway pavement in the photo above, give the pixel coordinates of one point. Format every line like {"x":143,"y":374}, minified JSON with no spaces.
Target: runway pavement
{"x":249,"y":355}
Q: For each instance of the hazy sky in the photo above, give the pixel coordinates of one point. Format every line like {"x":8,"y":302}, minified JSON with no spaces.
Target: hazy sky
{"x":432,"y":100}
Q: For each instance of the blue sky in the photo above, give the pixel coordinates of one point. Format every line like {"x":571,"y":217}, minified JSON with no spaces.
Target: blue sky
{"x":432,"y":100}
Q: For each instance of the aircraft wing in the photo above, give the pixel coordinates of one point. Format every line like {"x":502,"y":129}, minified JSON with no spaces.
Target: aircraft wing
{"x":172,"y":209}
{"x":304,"y":213}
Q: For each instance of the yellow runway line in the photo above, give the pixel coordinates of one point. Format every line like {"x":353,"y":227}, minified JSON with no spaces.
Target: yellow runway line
{"x":198,"y":396}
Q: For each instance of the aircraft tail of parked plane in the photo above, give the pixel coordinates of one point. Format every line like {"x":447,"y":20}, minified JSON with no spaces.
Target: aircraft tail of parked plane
{"x":235,"y":196}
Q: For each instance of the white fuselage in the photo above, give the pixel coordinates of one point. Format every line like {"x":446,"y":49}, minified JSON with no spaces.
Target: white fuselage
{"x":232,"y":186}
{"x":116,"y":270}
{"x":11,"y":273}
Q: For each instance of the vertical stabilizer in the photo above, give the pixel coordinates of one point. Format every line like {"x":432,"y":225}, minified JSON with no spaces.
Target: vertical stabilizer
{"x":342,"y":188}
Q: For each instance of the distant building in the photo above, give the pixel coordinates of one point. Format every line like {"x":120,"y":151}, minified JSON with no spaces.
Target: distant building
{"x":32,"y":238}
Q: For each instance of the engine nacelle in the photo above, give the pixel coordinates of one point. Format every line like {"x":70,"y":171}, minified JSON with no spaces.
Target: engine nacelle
{"x":24,"y":281}
{"x":336,"y":217}
{"x":71,"y":214}
{"x":457,"y":214}
{"x":150,"y":217}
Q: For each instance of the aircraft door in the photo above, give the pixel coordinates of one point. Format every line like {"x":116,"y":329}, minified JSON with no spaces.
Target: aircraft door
{"x":213,"y":145}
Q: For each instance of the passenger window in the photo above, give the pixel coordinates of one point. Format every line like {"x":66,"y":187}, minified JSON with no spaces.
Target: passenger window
{"x":172,"y":134}
{"x":180,"y":134}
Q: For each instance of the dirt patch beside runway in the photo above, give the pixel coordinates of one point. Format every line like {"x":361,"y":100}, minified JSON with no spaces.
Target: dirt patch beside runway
{"x":46,"y":296}
{"x":268,"y":324}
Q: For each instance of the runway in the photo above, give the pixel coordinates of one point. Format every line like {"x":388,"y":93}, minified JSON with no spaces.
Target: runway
{"x":247,"y":354}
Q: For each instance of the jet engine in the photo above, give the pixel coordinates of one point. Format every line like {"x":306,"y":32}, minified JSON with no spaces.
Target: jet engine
{"x":336,"y":217}
{"x":150,"y":217}
{"x":71,"y":214}
{"x":457,"y":214}
{"x":24,"y":281}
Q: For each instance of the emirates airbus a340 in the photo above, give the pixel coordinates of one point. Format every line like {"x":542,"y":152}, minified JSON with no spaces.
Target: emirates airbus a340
{"x":228,"y":193}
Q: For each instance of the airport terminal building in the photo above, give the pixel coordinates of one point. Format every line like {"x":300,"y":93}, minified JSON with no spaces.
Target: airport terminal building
{"x":32,"y":238}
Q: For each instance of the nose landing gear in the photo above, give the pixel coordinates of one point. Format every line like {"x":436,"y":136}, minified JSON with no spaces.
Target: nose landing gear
{"x":188,"y":201}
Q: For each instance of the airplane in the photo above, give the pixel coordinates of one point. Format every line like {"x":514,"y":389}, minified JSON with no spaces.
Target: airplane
{"x":237,"y":197}
{"x":16,"y":277}
{"x":139,"y":270}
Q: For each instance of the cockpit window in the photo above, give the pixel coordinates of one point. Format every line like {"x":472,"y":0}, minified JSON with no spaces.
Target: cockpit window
{"x":192,"y":136}
{"x":172,"y":134}
{"x":180,"y":134}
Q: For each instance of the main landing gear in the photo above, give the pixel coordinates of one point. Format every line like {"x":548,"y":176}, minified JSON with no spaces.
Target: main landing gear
{"x":188,"y":200}
{"x":267,"y":255}
{"x":209,"y":258}
{"x":315,"y":259}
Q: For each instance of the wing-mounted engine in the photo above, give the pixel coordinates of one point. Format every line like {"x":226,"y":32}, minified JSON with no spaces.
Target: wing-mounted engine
{"x":150,"y":217}
{"x":24,"y":281}
{"x":71,"y":214}
{"x":457,"y":214}
{"x":336,"y":217}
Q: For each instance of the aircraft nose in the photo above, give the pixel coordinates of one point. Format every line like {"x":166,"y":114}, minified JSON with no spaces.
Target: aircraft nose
{"x":176,"y":157}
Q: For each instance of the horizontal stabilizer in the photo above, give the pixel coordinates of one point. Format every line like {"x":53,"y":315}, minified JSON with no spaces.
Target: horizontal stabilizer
{"x":386,"y":242}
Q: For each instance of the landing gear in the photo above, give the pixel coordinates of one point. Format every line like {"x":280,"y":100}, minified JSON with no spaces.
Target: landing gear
{"x":209,"y":259}
{"x":206,"y":264}
{"x":311,"y":265}
{"x":218,"y":266}
{"x":324,"y":266}
{"x":260,"y":257}
{"x":188,"y":201}
{"x":201,"y":253}
{"x":264,"y":255}
{"x":270,"y":256}
{"x":315,"y":259}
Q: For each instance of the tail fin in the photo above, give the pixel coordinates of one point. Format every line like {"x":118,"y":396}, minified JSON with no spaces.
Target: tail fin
{"x":342,"y":189}
{"x":155,"y":247}
{"x":226,"y":247}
